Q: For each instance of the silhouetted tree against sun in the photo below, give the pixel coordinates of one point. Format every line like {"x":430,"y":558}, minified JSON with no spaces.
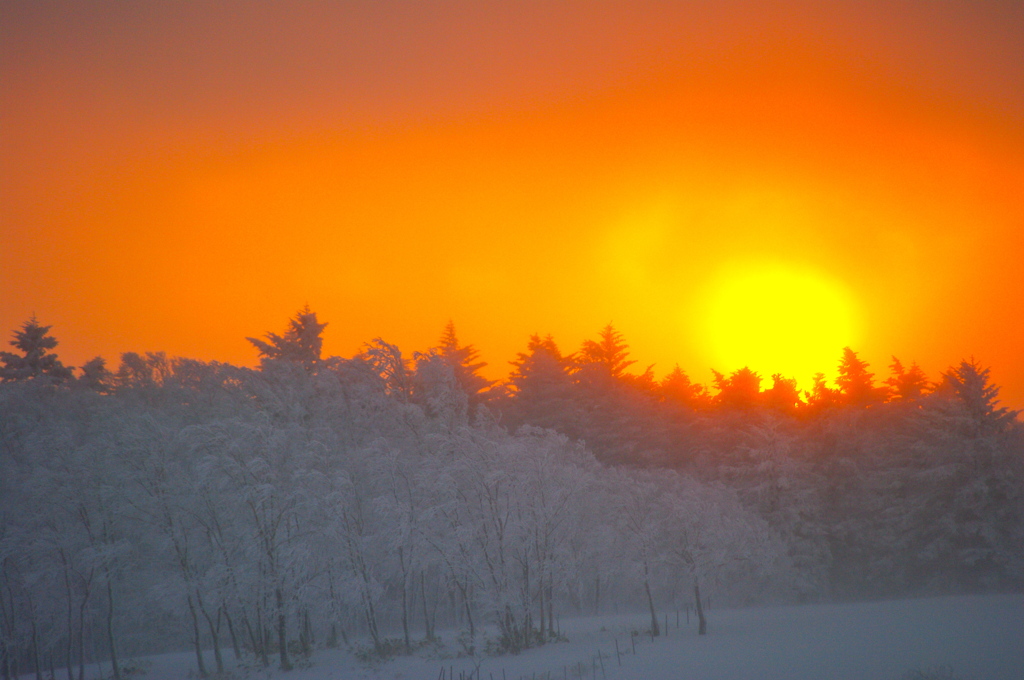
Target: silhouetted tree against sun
{"x":906,"y":384}
{"x":301,"y":342}
{"x":821,"y":396}
{"x":96,"y":376}
{"x":782,"y":395}
{"x":677,"y":388}
{"x":617,"y":414}
{"x":856,"y":385}
{"x":741,"y":390}
{"x":607,"y":355}
{"x":464,"y":364}
{"x":969,"y":382}
{"x":541,"y":388}
{"x":34,"y":361}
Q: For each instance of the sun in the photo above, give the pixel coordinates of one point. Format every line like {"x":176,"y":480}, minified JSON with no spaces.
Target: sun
{"x":778,"y":318}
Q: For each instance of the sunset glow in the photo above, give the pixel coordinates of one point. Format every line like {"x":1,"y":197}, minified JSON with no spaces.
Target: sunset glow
{"x":197,"y":174}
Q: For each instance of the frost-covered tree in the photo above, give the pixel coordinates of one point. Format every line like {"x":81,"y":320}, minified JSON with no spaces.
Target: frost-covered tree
{"x":190,"y":505}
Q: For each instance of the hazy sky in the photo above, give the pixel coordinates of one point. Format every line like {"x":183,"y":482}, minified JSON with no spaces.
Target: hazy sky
{"x":177,"y":176}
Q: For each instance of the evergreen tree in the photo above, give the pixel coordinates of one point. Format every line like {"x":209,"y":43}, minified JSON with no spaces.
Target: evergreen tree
{"x":95,"y":375}
{"x":541,"y":389}
{"x":676,"y":387}
{"x":782,"y":395}
{"x":856,"y":385}
{"x":542,"y":365}
{"x":463,"y":361}
{"x":301,"y":342}
{"x":971,"y":387}
{"x":35,"y":361}
{"x":906,"y":384}
{"x":821,"y":395}
{"x":609,"y":353}
{"x":741,"y":390}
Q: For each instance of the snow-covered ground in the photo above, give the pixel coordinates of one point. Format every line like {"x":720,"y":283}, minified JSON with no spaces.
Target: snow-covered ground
{"x":979,"y":637}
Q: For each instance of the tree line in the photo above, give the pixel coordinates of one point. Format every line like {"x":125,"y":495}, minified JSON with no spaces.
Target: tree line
{"x":322,"y":501}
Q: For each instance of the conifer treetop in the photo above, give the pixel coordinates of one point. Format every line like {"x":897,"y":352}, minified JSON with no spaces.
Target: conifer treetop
{"x":34,"y":361}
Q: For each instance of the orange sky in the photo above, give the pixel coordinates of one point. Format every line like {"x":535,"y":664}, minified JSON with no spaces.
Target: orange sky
{"x":177,"y":178}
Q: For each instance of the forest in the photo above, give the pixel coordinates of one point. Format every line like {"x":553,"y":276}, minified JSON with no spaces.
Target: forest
{"x":373,"y":501}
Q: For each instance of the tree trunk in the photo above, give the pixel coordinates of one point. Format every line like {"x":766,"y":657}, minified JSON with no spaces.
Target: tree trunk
{"x":540,"y":598}
{"x":307,"y":634}
{"x":110,"y":630}
{"x":195,"y":638}
{"x":71,"y":627}
{"x":702,"y":623}
{"x":214,"y":634}
{"x":81,"y":639}
{"x":371,"y":622}
{"x":405,"y":600}
{"x":655,"y":631}
{"x":234,"y":639}
{"x":429,"y":631}
{"x":258,"y":638}
{"x":469,"y":616}
{"x":35,"y":649}
{"x":551,"y":605}
{"x":282,"y":633}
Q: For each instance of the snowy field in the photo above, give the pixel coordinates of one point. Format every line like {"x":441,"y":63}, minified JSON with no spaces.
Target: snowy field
{"x":980,"y":638}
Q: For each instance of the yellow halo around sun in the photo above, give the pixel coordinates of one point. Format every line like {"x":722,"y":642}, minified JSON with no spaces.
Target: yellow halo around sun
{"x":777,"y":318}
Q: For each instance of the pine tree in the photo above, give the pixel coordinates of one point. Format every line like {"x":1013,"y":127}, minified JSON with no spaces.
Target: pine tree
{"x":969,"y":382}
{"x":676,"y":387}
{"x":301,"y":342}
{"x":906,"y":384}
{"x":740,"y":390}
{"x":95,"y":375}
{"x":782,"y":395}
{"x":541,"y":388}
{"x":610,"y":353}
{"x":35,"y":361}
{"x":856,"y":386}
{"x":542,"y":363}
{"x":463,"y":361}
{"x":821,"y":395}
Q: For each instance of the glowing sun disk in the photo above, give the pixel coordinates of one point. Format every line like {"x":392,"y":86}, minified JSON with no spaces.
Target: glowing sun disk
{"x":779,"y":319}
